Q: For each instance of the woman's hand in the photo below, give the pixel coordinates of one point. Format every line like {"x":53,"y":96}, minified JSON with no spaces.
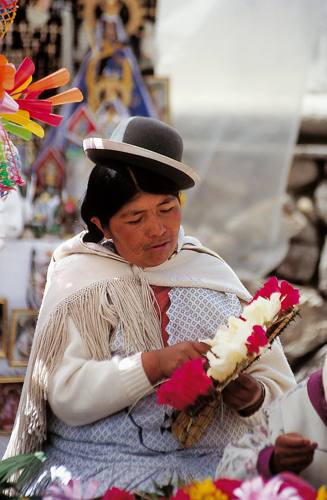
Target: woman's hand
{"x":242,"y":393}
{"x":163,"y":362}
{"x":292,"y":453}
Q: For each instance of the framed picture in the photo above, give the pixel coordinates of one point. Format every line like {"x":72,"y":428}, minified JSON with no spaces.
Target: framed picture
{"x":158,"y":89}
{"x":10,"y":392}
{"x":23,"y":323}
{"x":3,"y":327}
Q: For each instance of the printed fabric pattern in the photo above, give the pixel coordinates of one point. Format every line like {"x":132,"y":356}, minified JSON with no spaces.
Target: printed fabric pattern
{"x":132,"y":448}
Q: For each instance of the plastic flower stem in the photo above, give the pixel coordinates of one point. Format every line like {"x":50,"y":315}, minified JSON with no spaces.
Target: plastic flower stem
{"x":20,"y":119}
{"x":17,"y":130}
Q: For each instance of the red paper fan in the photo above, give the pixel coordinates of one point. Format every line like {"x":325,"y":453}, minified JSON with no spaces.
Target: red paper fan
{"x":7,"y":15}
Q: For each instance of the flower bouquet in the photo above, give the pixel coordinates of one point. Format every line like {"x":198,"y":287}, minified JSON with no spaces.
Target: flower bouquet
{"x":196,"y":394}
{"x":285,"y":486}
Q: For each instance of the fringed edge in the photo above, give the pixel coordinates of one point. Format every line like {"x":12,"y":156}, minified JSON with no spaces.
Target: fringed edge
{"x":96,"y":308}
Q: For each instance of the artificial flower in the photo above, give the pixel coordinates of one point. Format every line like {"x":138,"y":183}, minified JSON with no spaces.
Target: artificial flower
{"x":305,"y":491}
{"x":322,"y":493}
{"x":117,"y":494}
{"x":227,"y":486}
{"x":257,"y":340}
{"x":185,"y":385}
{"x":206,"y":490}
{"x":7,"y":76}
{"x":20,"y":103}
{"x":224,"y":365}
{"x":289,"y":296}
{"x":246,"y":335}
{"x":257,"y":489}
{"x":262,"y":310}
{"x":71,"y":491}
{"x":181,"y":494}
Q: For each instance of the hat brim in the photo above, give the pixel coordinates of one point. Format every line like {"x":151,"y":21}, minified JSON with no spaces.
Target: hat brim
{"x":99,"y":151}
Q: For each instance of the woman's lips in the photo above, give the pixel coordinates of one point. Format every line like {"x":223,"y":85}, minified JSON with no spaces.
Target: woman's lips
{"x":158,"y":247}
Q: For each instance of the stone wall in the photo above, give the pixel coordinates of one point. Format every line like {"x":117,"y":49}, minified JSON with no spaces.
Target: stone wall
{"x":305,"y":265}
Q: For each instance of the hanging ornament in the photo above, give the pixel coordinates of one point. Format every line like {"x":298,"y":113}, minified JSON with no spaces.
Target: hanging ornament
{"x":7,"y":15}
{"x":10,"y":164}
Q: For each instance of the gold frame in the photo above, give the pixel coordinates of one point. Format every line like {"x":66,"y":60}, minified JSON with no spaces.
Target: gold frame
{"x":16,"y":313}
{"x":4,"y":332}
{"x":161,"y":98}
{"x":9,"y":380}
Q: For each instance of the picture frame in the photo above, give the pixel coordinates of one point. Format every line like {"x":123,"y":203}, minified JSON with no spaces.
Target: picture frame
{"x":158,"y":88}
{"x":3,"y":327}
{"x":23,"y":323}
{"x":10,"y":392}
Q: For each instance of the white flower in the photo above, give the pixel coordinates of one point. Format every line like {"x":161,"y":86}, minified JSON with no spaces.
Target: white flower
{"x":228,"y":347}
{"x":262,"y":311}
{"x":221,"y":368}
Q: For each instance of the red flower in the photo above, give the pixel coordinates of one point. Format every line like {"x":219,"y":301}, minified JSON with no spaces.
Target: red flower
{"x":186,"y":384}
{"x":289,"y":296}
{"x":227,"y":486}
{"x":181,"y":494}
{"x":256,"y":340}
{"x":117,"y":494}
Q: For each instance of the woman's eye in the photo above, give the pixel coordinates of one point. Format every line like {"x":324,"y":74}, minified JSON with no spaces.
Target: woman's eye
{"x":167,"y":210}
{"x":134,"y":221}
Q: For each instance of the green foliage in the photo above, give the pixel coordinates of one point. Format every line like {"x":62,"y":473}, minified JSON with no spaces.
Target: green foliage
{"x":24,"y":465}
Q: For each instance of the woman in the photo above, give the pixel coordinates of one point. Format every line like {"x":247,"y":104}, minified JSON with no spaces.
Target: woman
{"x":287,"y":439}
{"x":125,"y":304}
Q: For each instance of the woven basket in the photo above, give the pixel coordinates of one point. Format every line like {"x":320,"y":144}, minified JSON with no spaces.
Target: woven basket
{"x":190,"y":424}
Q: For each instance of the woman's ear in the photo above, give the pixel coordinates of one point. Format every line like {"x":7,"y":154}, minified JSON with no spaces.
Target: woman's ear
{"x":98,"y":224}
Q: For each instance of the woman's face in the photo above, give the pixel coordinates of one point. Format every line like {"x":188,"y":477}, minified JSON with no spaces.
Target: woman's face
{"x":145,"y":230}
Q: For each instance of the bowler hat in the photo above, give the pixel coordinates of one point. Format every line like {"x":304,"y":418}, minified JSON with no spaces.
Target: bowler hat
{"x":144,"y":142}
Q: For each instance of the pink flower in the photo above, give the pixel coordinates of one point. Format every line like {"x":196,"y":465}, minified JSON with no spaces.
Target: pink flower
{"x":117,"y":494}
{"x":185,"y":385}
{"x":303,"y":488}
{"x":257,"y":489}
{"x":289,"y":296}
{"x":256,"y":340}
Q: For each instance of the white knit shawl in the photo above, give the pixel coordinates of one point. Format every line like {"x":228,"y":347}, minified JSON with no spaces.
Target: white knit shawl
{"x":98,"y":289}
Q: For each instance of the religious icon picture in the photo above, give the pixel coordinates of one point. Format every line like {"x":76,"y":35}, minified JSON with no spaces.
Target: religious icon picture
{"x":22,"y":331}
{"x":3,"y":327}
{"x":10,"y":392}
{"x":158,"y":88}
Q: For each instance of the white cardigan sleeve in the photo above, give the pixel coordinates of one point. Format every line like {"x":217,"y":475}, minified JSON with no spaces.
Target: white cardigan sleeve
{"x":274,"y":371}
{"x":82,"y":391}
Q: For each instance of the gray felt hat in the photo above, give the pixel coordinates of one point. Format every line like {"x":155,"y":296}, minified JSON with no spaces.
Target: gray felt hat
{"x":144,"y":142}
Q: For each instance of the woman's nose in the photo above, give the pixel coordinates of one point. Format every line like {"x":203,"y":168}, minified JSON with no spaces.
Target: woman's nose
{"x":155,"y":227}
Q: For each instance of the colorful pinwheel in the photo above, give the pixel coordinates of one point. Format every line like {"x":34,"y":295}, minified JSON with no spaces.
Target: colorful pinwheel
{"x":19,"y":105}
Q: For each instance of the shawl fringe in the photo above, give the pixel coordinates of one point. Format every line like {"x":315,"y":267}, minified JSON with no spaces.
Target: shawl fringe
{"x":96,"y":308}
